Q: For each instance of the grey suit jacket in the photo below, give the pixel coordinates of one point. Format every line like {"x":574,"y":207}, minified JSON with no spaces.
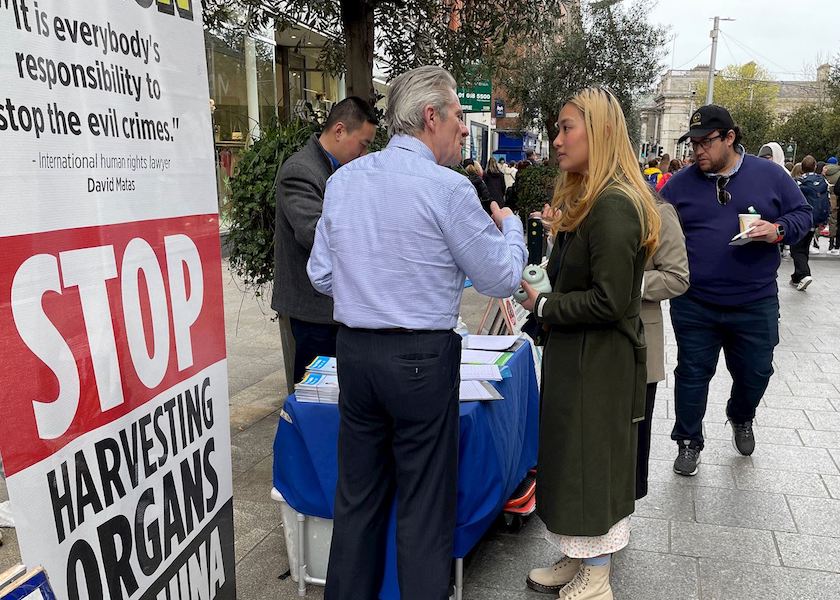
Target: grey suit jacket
{"x":300,"y":186}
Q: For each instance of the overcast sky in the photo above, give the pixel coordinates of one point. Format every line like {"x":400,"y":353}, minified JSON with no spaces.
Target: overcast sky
{"x":782,"y":36}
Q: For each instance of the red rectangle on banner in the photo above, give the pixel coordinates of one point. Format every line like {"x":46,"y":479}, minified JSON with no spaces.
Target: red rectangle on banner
{"x":97,"y":321}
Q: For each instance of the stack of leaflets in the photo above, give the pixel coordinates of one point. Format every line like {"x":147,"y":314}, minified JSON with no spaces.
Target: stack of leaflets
{"x":323,"y":364}
{"x":317,"y":387}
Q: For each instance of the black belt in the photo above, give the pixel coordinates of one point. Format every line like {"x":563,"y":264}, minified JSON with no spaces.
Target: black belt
{"x":397,"y":330}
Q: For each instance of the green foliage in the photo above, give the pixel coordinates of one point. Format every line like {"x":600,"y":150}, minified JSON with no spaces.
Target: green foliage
{"x":813,"y":128}
{"x":833,"y":83}
{"x":741,"y":86}
{"x":534,"y":187}
{"x":252,"y":202}
{"x":456,"y":35}
{"x":599,"y":44}
{"x":755,"y":123}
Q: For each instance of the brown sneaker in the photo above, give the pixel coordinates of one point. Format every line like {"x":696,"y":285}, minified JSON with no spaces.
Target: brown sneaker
{"x":590,"y":583}
{"x":549,"y":580}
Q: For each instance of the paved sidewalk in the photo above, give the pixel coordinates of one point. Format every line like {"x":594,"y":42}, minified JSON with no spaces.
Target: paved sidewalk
{"x":759,"y":527}
{"x":767,"y":526}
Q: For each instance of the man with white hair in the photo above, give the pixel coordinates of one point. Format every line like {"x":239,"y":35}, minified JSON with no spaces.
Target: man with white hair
{"x":398,"y":233}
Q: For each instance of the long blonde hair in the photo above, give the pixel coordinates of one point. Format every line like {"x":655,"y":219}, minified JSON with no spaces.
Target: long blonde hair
{"x":612,"y":164}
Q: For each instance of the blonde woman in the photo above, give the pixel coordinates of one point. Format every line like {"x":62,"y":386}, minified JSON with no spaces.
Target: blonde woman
{"x":594,"y":370}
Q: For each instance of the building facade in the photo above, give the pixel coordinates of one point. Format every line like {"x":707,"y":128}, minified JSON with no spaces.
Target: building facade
{"x":665,"y":114}
{"x":254,"y":80}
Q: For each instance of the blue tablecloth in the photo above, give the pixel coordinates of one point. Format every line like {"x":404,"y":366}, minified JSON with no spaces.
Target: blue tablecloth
{"x":498,"y":445}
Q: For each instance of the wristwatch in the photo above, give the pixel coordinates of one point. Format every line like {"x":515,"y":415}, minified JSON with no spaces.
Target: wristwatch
{"x":780,"y":233}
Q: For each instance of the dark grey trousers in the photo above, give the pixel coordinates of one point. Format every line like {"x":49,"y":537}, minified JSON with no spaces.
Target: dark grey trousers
{"x":398,"y":436}
{"x":799,"y":253}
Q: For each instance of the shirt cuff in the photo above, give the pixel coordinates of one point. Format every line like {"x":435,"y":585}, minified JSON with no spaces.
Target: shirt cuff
{"x":541,"y":300}
{"x":512,"y":224}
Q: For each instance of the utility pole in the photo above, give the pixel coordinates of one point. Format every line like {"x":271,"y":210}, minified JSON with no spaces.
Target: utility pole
{"x":710,"y":87}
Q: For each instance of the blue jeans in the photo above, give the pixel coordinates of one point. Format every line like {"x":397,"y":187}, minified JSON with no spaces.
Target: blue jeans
{"x":747,"y":335}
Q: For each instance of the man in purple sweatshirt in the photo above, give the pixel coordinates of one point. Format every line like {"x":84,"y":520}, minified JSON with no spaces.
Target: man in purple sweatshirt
{"x":733,"y":300}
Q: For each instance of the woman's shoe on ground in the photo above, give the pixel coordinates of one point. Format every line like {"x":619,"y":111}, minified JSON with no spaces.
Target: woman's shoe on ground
{"x":591,"y":583}
{"x":550,"y":579}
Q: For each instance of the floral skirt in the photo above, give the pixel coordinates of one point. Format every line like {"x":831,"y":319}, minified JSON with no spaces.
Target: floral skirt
{"x":577,"y":546}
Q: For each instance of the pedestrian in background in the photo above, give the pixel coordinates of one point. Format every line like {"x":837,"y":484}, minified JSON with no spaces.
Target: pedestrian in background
{"x":474,"y":172}
{"x":815,"y":189}
{"x":652,"y":173}
{"x":773,"y":151}
{"x":673,"y":166}
{"x":594,"y":371}
{"x":664,"y":163}
{"x":732,"y":304}
{"x":831,"y":171}
{"x":508,"y":171}
{"x":495,"y":181}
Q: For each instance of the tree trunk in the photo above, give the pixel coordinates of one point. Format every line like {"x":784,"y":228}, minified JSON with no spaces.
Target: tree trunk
{"x":357,"y":18}
{"x":551,"y":131}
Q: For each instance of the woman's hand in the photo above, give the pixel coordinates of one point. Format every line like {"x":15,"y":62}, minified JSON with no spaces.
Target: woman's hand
{"x":547,"y":213}
{"x":531,"y":301}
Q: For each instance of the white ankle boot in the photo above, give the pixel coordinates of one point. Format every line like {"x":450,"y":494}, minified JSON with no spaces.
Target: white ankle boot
{"x":590,"y":583}
{"x":550,"y":579}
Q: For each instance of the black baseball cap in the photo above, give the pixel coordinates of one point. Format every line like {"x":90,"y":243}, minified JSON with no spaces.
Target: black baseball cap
{"x":707,"y":119}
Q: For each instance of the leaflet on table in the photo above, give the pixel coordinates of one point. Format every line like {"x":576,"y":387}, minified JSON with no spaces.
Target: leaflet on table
{"x":491,"y":342}
{"x":323,"y":364}
{"x":477,"y":390}
{"x":317,"y":387}
{"x":481,"y":373}
{"x":484,"y":357}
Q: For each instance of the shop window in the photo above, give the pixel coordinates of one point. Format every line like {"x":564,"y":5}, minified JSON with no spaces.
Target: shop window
{"x":227,"y":73}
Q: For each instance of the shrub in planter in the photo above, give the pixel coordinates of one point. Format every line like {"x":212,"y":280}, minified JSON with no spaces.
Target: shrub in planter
{"x":534,"y":187}
{"x":252,"y":202}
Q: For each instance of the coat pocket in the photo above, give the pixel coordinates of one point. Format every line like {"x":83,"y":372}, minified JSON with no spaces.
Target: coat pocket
{"x":639,"y":383}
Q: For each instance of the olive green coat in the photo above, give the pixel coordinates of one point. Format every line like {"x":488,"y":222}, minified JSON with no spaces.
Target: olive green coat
{"x":594,"y":372}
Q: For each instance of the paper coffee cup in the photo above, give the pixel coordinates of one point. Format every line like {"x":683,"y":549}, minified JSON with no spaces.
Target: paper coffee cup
{"x":746,"y":220}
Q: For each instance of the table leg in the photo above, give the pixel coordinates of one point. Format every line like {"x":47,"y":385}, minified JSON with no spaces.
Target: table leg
{"x":301,"y":519}
{"x":459,"y":578}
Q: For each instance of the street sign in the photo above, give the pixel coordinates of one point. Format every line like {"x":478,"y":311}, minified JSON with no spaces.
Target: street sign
{"x":476,"y":98}
{"x":499,"y":108}
{"x":790,"y":152}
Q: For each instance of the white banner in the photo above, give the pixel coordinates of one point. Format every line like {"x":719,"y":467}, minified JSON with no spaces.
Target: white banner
{"x":115,"y":430}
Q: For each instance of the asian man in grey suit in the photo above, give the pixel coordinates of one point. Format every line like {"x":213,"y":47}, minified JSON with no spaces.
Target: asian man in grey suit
{"x":300,"y":184}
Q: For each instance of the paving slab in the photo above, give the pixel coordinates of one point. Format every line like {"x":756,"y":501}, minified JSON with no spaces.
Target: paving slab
{"x":816,"y":516}
{"x":742,"y":508}
{"x":716,"y":541}
{"x":731,"y":580}
{"x":809,"y":551}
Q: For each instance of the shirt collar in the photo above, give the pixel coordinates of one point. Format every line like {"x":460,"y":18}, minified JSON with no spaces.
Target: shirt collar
{"x":333,"y":160}
{"x":741,"y":152}
{"x":412,"y":144}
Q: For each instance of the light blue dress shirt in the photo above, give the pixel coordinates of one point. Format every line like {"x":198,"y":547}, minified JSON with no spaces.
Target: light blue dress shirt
{"x":397,"y":235}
